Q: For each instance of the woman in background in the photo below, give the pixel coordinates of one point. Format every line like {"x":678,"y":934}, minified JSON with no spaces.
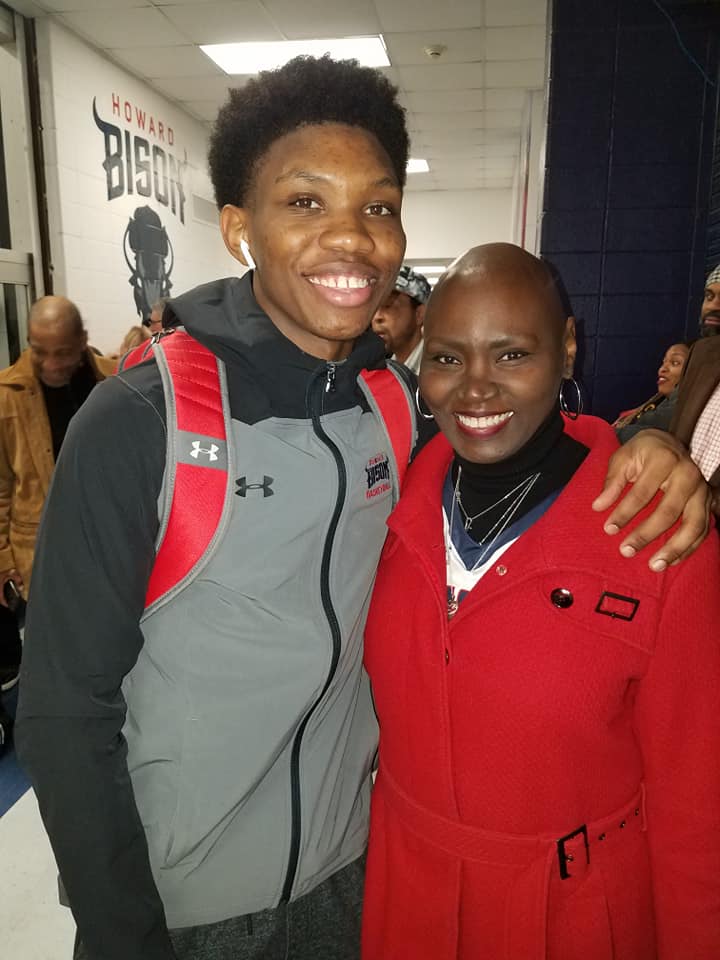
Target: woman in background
{"x":133,"y":338}
{"x":669,"y":374}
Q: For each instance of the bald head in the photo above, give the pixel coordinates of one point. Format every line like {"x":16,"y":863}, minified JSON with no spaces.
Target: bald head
{"x":57,"y":340}
{"x":497,"y":346}
{"x":58,"y":312}
{"x":494,"y":265}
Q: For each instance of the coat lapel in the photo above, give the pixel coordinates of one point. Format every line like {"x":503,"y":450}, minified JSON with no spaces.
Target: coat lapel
{"x":418,"y":521}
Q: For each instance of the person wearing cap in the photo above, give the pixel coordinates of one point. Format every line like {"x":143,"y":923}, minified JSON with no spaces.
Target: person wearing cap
{"x":399,"y":320}
{"x":696,"y":419}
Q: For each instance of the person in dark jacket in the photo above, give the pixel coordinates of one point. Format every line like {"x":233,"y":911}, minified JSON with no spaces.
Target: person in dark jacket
{"x":204,"y":768}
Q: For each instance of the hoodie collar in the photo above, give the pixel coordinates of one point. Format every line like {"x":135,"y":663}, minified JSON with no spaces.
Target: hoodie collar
{"x":225,"y":317}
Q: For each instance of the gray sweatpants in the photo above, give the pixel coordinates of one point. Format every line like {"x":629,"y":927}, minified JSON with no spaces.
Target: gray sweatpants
{"x":322,"y":925}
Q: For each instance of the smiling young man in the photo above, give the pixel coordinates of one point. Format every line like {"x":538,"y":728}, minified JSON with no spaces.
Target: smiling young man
{"x":225,"y":739}
{"x":224,"y":736}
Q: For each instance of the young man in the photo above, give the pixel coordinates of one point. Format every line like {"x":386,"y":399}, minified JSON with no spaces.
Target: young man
{"x":203,"y":766}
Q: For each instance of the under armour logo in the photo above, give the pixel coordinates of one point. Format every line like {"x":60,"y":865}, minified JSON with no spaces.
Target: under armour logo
{"x":210,"y":452}
{"x":266,"y":486}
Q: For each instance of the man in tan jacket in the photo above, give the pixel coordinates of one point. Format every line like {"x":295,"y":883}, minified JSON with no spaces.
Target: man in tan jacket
{"x":38,"y":396}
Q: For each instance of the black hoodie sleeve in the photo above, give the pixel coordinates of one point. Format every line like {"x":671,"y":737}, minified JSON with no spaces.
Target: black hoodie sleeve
{"x":93,"y":557}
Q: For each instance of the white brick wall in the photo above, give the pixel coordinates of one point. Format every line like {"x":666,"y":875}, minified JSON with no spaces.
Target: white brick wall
{"x":86,"y":228}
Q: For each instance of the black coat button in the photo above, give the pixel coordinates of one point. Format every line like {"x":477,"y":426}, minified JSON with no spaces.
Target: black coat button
{"x":562,"y":598}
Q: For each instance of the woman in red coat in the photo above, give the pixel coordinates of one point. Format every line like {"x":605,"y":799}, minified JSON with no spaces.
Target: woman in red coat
{"x":549,"y":782}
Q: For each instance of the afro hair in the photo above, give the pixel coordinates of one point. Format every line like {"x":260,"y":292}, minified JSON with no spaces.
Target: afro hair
{"x":307,"y":90}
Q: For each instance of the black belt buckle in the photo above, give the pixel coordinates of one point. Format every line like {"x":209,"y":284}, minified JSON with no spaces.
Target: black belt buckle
{"x":564,"y":857}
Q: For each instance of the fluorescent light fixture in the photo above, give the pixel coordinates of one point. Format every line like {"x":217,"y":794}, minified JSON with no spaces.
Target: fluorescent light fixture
{"x":426,"y":268}
{"x":417,"y":165}
{"x":246,"y":58}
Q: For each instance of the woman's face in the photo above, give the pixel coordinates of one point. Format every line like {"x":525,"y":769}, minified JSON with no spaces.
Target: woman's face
{"x":671,"y":368}
{"x":495,"y":354}
{"x":323,"y":226}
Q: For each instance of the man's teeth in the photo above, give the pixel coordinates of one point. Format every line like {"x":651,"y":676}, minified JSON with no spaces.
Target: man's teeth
{"x":482,"y":423}
{"x":341,"y":283}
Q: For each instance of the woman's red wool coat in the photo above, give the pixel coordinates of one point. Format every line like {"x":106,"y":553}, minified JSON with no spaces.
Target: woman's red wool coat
{"x":521,"y":722}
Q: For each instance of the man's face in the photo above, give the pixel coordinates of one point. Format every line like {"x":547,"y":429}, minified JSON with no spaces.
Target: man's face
{"x":399,"y":322}
{"x":323,"y":226}
{"x":156,"y":316}
{"x":56,"y":352}
{"x":710,"y":311}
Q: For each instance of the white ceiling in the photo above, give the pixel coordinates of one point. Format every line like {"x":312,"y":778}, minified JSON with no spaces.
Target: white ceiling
{"x":465,"y":109}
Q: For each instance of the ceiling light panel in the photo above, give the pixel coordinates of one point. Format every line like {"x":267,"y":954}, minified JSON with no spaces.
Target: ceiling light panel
{"x":247,"y":58}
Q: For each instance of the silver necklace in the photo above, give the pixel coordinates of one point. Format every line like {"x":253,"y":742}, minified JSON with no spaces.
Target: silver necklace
{"x":519,"y":489}
{"x":496,"y":531}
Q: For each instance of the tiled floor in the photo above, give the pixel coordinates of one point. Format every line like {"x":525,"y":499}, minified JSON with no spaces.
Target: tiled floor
{"x":33,"y":926}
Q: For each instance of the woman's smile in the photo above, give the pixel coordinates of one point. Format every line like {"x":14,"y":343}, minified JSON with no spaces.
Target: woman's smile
{"x":483,"y":426}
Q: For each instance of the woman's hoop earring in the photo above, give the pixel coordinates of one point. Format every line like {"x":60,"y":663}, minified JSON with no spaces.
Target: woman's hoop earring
{"x":568,"y":411}
{"x":418,"y":401}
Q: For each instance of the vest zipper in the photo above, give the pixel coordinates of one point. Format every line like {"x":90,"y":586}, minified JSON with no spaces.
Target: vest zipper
{"x":330,"y":378}
{"x":295,"y":799}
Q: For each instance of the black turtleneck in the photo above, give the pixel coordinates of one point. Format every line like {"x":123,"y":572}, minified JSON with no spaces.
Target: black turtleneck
{"x":549,"y":452}
{"x":62,"y":403}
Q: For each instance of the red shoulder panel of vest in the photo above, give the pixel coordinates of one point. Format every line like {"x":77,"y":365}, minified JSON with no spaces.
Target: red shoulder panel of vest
{"x":139,"y":353}
{"x":199,"y":489}
{"x":393,"y":405}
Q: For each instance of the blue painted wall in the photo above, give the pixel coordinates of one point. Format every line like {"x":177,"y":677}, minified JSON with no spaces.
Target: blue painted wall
{"x":628,"y":173}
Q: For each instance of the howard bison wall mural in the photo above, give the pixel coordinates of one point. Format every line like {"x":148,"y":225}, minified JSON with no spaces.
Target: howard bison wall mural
{"x":139,"y":162}
{"x":149,"y":254}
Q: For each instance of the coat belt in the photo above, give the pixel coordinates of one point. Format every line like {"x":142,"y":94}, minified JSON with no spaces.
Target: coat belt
{"x":539,"y":858}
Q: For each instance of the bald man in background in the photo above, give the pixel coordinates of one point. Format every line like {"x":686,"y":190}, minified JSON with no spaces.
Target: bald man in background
{"x":39,"y":394}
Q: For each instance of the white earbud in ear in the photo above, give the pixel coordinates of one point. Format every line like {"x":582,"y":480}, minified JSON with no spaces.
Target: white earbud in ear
{"x":246,"y":253}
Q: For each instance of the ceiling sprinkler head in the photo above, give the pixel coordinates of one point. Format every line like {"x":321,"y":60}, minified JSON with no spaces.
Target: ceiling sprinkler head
{"x":435,"y":50}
